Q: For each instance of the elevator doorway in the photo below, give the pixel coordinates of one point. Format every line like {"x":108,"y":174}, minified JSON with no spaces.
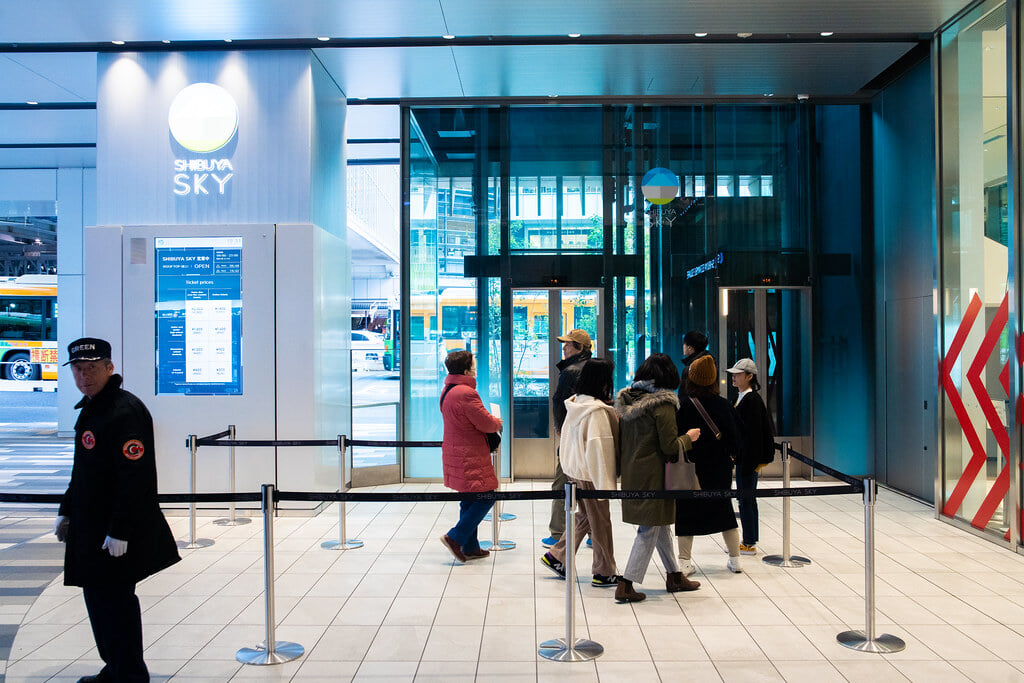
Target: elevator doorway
{"x":771,"y":326}
{"x":539,"y":317}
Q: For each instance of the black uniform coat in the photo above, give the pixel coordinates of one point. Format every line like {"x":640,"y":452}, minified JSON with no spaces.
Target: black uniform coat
{"x":113,"y":493}
{"x":713,"y":465}
{"x":758,"y":435}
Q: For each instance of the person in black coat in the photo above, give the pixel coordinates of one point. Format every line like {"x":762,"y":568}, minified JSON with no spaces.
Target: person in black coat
{"x":110,"y":521}
{"x":713,"y":458}
{"x":759,"y":446}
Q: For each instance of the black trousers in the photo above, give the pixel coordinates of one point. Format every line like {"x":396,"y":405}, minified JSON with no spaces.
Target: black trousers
{"x":116,"y":621}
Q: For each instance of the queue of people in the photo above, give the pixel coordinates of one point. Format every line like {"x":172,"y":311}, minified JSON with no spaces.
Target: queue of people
{"x":634,"y":437}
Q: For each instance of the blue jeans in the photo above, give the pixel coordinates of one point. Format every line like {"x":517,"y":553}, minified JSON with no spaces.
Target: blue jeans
{"x":747,"y":481}
{"x":471,"y":513}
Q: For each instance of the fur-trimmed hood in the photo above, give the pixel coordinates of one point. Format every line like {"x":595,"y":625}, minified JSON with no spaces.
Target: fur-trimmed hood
{"x":632,"y":403}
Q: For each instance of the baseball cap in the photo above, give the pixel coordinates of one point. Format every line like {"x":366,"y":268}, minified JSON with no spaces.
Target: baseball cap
{"x":744,"y":365}
{"x":579,"y":336}
{"x":88,"y":348}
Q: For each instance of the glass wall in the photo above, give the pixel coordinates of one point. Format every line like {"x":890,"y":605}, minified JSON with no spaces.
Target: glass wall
{"x":974,"y":256}
{"x":537,"y":212}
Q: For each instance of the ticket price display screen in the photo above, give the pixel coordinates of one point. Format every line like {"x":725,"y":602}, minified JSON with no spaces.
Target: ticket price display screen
{"x":198,"y":315}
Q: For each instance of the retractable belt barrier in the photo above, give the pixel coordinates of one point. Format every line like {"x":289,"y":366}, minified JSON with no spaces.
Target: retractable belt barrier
{"x":272,"y":651}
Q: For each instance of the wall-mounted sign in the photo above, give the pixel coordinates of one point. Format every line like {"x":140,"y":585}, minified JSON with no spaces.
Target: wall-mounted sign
{"x":710,"y":264}
{"x":660,"y":185}
{"x":198,"y":315}
{"x":203,"y":118}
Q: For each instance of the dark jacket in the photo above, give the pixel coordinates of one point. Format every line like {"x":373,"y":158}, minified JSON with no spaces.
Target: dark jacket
{"x":648,"y":439}
{"x":568,"y":372}
{"x":713,"y":464}
{"x":113,"y":492}
{"x":465,"y":455}
{"x":758,"y":435}
{"x":684,"y":371}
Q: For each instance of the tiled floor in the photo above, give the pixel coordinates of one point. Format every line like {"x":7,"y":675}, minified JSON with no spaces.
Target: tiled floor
{"x":399,"y":609}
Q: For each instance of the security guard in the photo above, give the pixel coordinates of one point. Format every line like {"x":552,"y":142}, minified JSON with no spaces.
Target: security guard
{"x":110,"y":519}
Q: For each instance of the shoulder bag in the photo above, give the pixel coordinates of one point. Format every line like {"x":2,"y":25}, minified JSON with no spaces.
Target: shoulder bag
{"x":493,"y":438}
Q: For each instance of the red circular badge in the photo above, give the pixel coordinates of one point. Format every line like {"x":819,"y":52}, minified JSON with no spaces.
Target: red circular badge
{"x":133,"y":449}
{"x":88,"y":440}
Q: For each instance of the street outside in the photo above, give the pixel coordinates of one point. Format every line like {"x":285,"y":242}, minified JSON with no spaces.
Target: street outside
{"x":34,"y":459}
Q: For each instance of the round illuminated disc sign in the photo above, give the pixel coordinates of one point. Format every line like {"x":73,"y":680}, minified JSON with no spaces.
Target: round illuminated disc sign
{"x":660,"y":185}
{"x":203,"y":117}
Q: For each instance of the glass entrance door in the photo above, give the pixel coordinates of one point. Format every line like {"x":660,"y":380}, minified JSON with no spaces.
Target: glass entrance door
{"x":539,"y":317}
{"x":772,"y":326}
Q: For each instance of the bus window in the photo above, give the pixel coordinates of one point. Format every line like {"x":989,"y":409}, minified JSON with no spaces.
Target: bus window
{"x":540,"y":326}
{"x":519,"y":329}
{"x":457,"y":321}
{"x":21,"y":318}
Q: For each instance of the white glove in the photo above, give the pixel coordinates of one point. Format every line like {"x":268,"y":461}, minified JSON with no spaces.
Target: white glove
{"x":60,"y":529}
{"x":114,"y":546}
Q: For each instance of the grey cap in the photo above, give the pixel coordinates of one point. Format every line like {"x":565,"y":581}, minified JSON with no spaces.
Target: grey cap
{"x":744,"y":365}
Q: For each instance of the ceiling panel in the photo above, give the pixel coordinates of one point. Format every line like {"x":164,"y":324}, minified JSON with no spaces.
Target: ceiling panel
{"x":51,"y":21}
{"x":63,"y":77}
{"x":393,"y":72}
{"x":598,"y":17}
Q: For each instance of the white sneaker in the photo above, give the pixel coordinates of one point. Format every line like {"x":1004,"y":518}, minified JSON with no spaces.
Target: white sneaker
{"x":686,"y":567}
{"x":734,"y":565}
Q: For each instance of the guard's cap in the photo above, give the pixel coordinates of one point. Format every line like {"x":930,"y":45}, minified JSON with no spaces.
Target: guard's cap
{"x":744,"y":365}
{"x":88,"y":348}
{"x":579,"y":336}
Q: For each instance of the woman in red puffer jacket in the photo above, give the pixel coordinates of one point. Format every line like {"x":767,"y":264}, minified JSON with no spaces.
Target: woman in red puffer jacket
{"x":465,"y":454}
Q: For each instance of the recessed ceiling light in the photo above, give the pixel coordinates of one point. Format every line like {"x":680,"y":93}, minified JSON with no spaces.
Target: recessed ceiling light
{"x":574,"y":35}
{"x":117,"y":42}
{"x":166,"y":42}
{"x":31,"y":102}
{"x":744,"y":35}
{"x":227,"y":40}
{"x":552,"y":95}
{"x":769,"y":94}
{"x":323,"y":39}
{"x":826,"y":34}
{"x":448,"y":36}
{"x":702,"y":34}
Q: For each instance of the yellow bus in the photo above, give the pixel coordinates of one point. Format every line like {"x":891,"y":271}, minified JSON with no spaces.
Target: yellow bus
{"x":28,"y":328}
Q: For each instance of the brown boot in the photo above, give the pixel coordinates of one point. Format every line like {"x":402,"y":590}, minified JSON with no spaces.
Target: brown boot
{"x":624,"y":592}
{"x":676,"y":582}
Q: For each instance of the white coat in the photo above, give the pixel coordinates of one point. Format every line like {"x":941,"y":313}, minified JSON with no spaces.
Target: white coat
{"x":589,"y":441}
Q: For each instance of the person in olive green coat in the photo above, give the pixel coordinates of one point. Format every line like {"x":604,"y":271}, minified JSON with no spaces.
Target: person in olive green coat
{"x":649,"y":439}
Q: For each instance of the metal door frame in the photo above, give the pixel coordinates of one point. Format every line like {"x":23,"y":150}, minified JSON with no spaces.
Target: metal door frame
{"x":554,"y":356}
{"x":804,"y":443}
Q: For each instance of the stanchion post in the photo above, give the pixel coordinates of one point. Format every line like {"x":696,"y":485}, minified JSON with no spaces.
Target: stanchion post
{"x":503,"y":516}
{"x":193,"y":446}
{"x":785,"y":559}
{"x":866,"y":641}
{"x":570,"y":649}
{"x":271,"y":651}
{"x":231,"y":520}
{"x":495,"y":514}
{"x":342,"y":543}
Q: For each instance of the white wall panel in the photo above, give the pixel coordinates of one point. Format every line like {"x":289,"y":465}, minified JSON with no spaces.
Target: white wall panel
{"x":177,"y":415}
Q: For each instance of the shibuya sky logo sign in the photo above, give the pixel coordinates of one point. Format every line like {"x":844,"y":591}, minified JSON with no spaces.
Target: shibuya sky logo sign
{"x":203,"y":118}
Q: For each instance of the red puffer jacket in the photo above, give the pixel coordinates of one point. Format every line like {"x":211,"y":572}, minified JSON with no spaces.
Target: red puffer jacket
{"x":464,"y":451}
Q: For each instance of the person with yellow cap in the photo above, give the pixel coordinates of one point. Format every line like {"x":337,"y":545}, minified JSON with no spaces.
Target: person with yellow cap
{"x":577,"y":349}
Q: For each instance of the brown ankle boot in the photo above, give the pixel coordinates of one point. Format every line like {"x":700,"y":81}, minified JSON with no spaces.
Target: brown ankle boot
{"x":676,"y":582}
{"x":624,"y":592}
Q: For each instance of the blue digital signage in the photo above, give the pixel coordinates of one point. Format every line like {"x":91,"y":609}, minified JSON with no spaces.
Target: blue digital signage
{"x":198,"y":315}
